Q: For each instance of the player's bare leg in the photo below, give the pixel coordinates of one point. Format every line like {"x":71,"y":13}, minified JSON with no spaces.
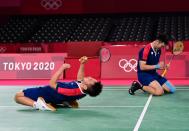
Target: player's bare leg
{"x":39,"y":104}
{"x":154,"y":88}
{"x":21,"y":99}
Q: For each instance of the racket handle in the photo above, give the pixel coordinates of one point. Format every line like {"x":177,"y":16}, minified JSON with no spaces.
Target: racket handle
{"x":164,"y":72}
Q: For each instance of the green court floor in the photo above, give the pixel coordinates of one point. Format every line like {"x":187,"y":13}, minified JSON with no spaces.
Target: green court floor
{"x":113,"y":110}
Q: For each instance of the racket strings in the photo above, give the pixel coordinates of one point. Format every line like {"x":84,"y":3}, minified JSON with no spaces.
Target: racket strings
{"x":178,"y":47}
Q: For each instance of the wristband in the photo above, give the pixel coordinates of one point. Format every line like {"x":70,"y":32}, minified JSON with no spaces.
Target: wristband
{"x":157,"y":66}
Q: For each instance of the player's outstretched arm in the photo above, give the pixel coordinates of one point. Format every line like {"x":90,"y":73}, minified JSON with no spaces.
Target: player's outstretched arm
{"x":55,"y":77}
{"x":81,"y":73}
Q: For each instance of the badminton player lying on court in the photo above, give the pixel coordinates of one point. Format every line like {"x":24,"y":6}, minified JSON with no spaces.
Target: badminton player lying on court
{"x":60,"y":92}
{"x":148,"y":63}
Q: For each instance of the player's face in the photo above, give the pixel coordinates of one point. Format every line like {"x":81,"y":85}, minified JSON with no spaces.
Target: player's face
{"x":160,"y":44}
{"x":89,"y":81}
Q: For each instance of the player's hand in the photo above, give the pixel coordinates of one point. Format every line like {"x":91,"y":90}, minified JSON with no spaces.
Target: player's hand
{"x":83,"y":59}
{"x":167,"y":66}
{"x":162,"y":65}
{"x":66,"y":66}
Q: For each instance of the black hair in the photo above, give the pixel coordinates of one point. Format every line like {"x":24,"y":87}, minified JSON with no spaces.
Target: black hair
{"x":163,"y":38}
{"x":95,"y":89}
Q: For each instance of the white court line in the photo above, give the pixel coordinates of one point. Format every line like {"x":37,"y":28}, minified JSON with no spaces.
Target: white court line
{"x":119,"y":89}
{"x":14,"y":106}
{"x":112,"y":106}
{"x":123,"y":89}
{"x":142,"y":114}
{"x":182,"y":89}
{"x":84,"y":106}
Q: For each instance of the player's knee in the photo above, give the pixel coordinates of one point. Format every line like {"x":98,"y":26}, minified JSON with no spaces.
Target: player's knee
{"x":159,"y":92}
{"x":17,"y":96}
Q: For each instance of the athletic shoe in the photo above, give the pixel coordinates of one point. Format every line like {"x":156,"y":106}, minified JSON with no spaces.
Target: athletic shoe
{"x":70,"y":104}
{"x":42,"y":105}
{"x":135,"y":86}
{"x":66,"y":104}
{"x":74,"y":104}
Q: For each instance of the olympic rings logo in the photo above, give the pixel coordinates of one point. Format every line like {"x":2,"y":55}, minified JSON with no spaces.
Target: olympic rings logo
{"x":128,"y":66}
{"x":3,"y":49}
{"x":51,"y":4}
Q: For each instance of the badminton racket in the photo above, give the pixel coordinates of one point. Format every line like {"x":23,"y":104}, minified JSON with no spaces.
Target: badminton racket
{"x":177,"y":49}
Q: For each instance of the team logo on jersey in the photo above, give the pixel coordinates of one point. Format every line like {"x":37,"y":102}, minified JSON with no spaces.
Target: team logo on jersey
{"x":128,"y":65}
{"x":51,"y":4}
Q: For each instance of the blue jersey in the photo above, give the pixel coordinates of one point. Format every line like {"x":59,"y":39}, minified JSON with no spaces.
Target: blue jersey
{"x":151,"y":57}
{"x":71,"y":90}
{"x":65,"y":91}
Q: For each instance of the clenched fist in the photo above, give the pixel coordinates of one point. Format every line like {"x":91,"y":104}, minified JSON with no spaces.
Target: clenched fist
{"x":83,"y":59}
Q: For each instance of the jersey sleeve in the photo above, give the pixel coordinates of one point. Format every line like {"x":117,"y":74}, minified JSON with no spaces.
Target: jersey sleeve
{"x":146,"y":51}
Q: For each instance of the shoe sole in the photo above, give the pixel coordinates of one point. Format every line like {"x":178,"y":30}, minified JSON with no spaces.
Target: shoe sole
{"x":70,"y":104}
{"x":48,"y":105}
{"x":74,"y":104}
{"x":130,"y":92}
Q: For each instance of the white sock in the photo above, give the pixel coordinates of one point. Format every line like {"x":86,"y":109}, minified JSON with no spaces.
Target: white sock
{"x":35,"y":105}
